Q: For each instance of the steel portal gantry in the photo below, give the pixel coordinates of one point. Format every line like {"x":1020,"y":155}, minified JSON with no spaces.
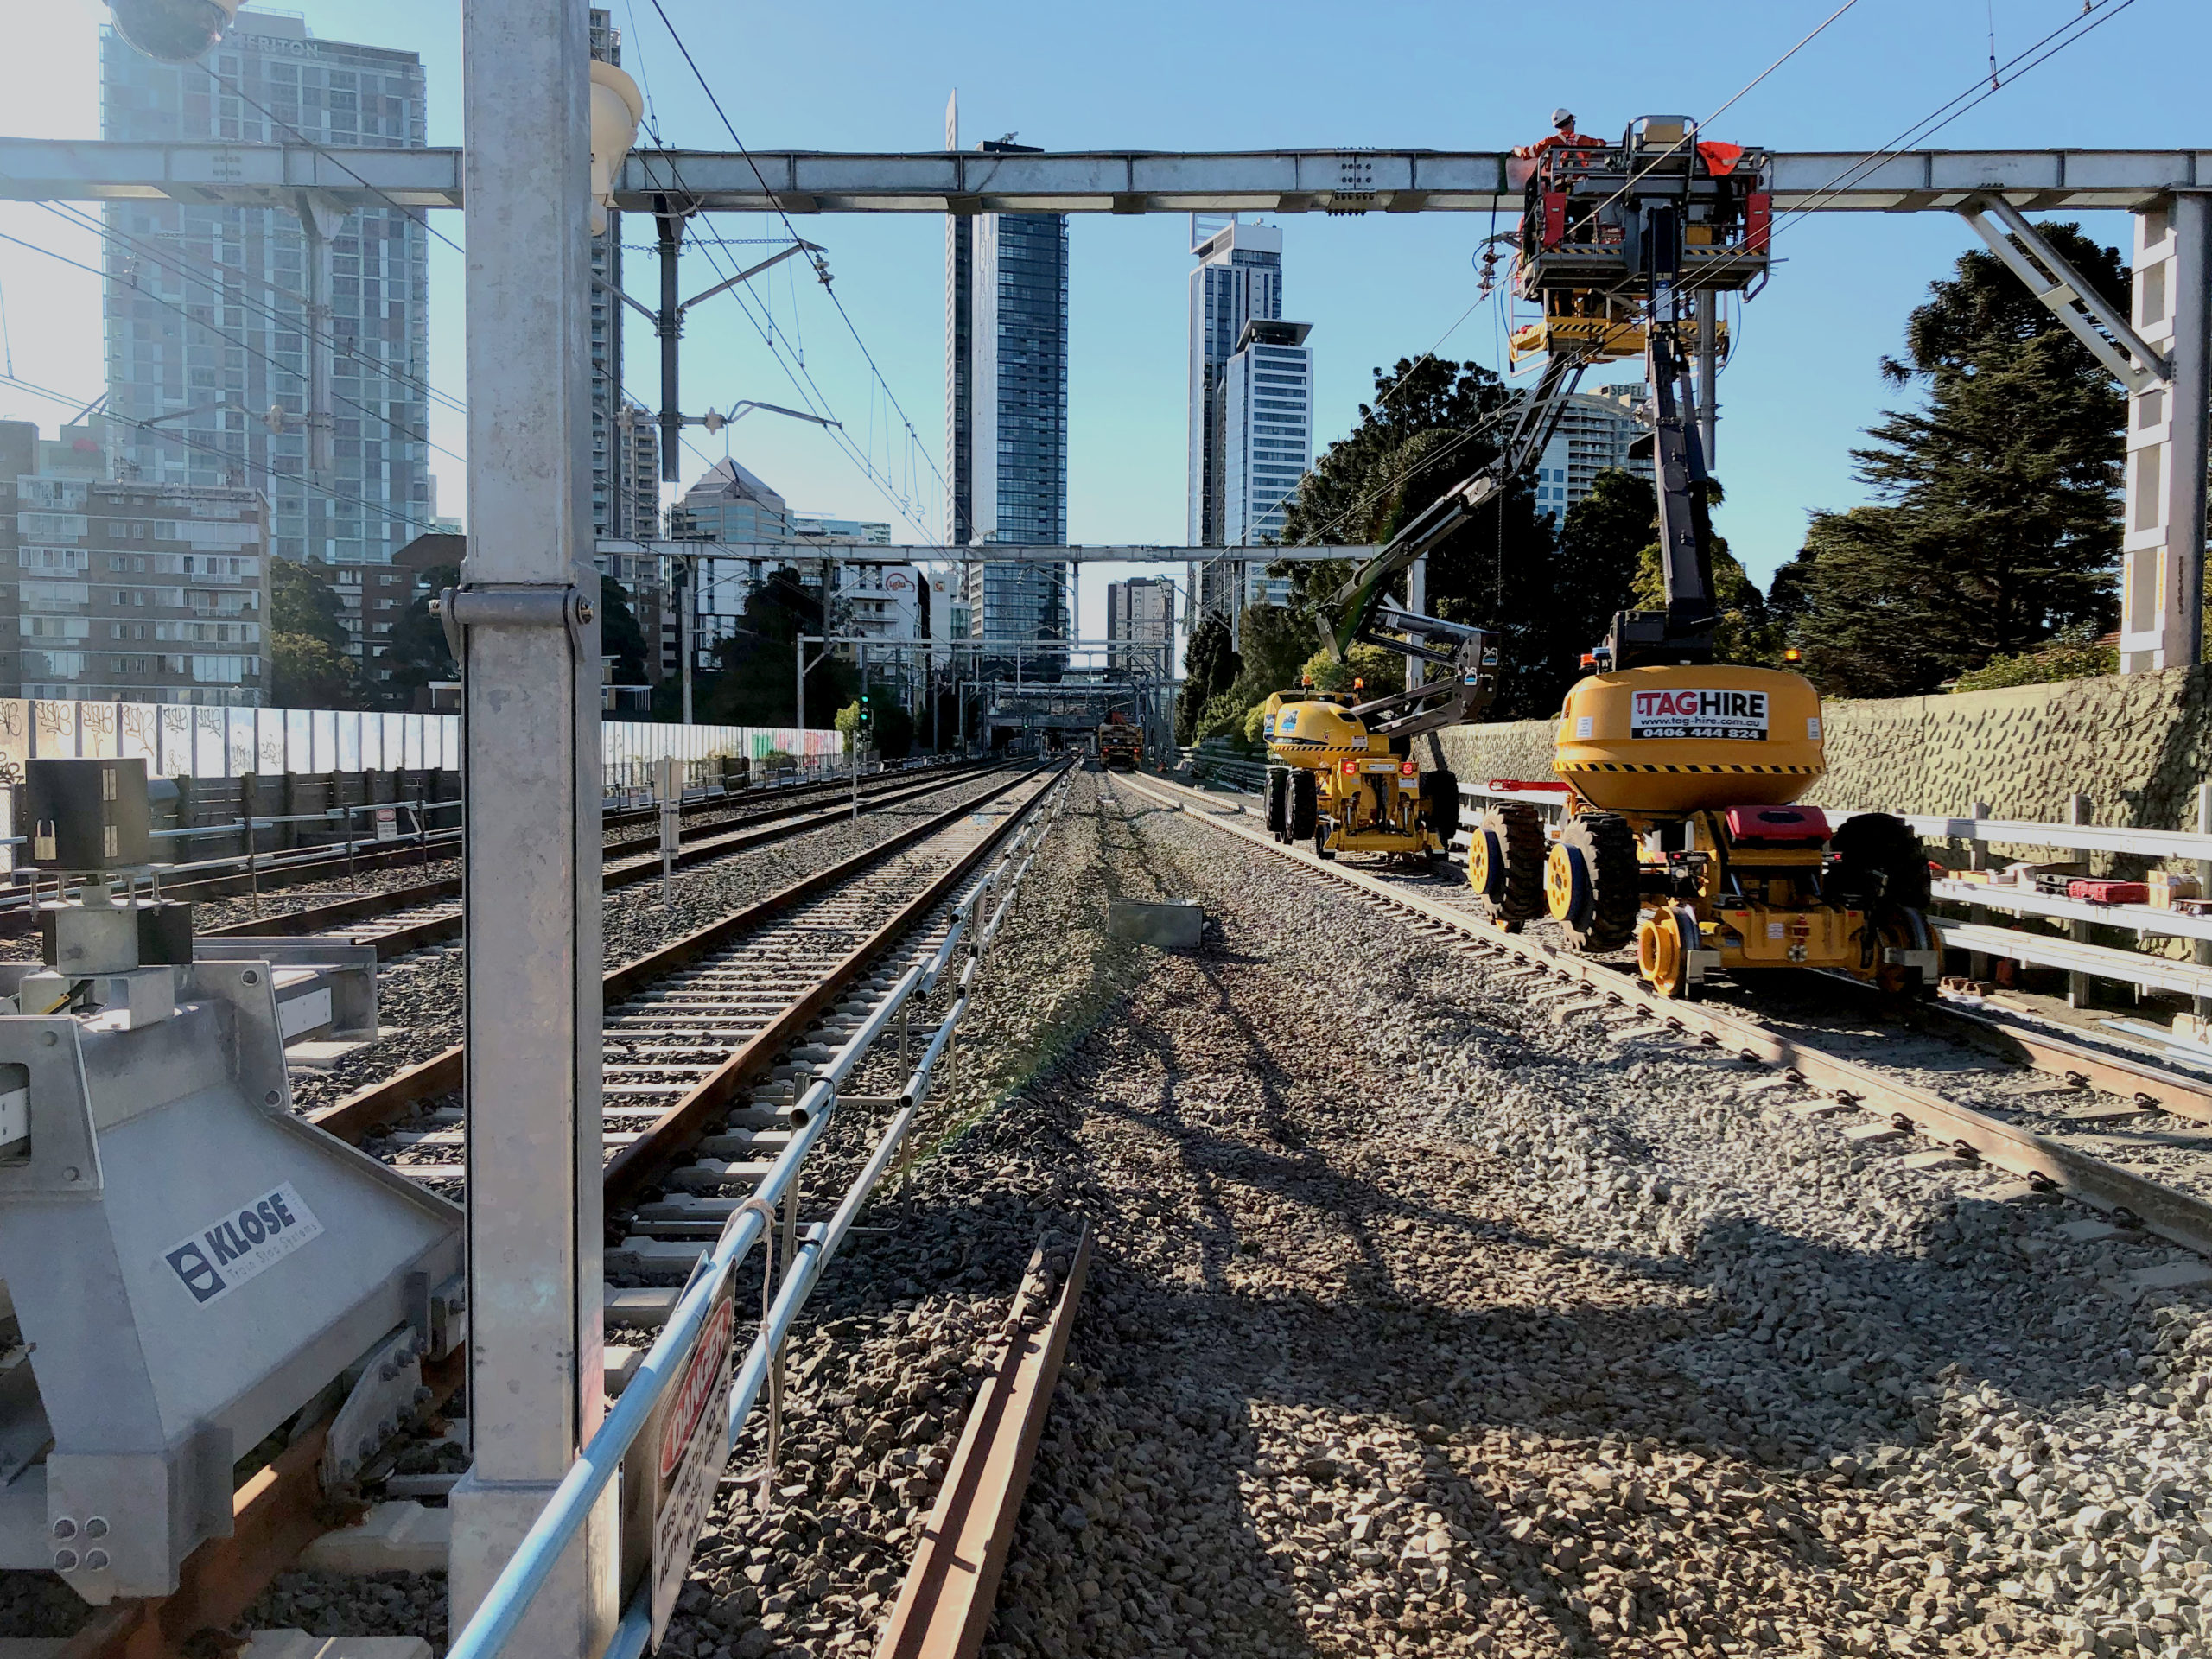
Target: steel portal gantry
{"x":1088,"y":181}
{"x":2164,"y":506}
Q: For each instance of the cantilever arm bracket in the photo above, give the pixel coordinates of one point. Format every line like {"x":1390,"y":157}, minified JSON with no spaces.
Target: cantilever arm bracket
{"x":2070,"y":299}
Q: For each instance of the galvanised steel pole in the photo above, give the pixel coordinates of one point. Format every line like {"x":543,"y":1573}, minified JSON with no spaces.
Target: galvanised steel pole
{"x":530,"y":673}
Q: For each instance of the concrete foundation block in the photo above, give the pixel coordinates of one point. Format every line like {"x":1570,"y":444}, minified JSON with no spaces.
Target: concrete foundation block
{"x":1172,"y":923}
{"x":298,"y":1645}
{"x":392,"y":1538}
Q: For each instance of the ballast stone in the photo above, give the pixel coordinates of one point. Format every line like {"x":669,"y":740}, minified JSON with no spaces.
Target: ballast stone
{"x":1171,"y":924}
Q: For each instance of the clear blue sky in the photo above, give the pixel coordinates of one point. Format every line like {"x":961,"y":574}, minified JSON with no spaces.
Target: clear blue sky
{"x":871,"y":75}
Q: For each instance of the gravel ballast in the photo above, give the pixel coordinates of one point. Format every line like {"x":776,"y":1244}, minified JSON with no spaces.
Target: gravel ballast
{"x":1423,"y":1321}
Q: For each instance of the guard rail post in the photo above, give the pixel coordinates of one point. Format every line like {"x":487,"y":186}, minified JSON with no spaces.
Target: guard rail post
{"x":2077,"y":985}
{"x":2201,"y":1006}
{"x":1978,"y":859}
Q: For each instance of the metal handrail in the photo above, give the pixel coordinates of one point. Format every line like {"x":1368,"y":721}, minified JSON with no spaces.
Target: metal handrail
{"x":499,"y":1614}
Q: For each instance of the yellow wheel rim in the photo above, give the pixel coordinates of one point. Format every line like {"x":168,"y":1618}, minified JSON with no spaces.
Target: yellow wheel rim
{"x":1566,"y":888}
{"x":1478,"y":861}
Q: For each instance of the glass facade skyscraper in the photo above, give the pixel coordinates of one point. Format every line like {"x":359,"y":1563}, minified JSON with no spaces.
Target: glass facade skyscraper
{"x":208,"y":326}
{"x":1006,"y":409}
{"x":1250,"y":409}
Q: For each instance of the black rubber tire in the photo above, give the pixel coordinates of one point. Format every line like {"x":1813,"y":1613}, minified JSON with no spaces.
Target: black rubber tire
{"x":1439,"y":803}
{"x":1278,"y":799}
{"x":1520,"y":830}
{"x":1305,"y":814}
{"x":1608,"y":849}
{"x":1881,"y":861}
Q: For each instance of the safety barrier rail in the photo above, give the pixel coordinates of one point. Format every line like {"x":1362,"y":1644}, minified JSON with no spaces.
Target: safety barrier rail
{"x":500,"y":1614}
{"x":1210,"y":765}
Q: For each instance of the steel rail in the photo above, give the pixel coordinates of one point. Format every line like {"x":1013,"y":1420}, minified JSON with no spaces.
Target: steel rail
{"x":708,"y":841}
{"x":1977,"y":1138}
{"x":283,"y":1509}
{"x":370,"y":1109}
{"x":499,"y":1614}
{"x":945,"y":1604}
{"x":673,"y":1133}
{"x":278,"y":1513}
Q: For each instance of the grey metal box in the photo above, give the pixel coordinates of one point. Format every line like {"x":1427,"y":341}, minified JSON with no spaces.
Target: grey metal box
{"x":1172,"y":925}
{"x":87,"y":815}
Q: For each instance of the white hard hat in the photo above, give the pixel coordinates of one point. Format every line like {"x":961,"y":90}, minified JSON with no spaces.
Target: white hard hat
{"x":1562,"y":117}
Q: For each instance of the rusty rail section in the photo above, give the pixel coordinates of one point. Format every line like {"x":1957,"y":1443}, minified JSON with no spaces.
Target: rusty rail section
{"x":379,"y":1104}
{"x":279,"y":1511}
{"x":946,"y":1605}
{"x":1974,"y":1137}
{"x":713,"y":841}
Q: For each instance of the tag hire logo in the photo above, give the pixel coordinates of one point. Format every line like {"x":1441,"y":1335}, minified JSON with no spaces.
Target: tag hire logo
{"x":243,"y":1245}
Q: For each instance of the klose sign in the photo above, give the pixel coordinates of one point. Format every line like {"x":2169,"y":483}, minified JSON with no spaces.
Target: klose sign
{"x":242,"y":1244}
{"x":1687,"y":713}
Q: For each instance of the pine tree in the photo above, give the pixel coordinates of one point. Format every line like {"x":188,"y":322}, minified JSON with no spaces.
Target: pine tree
{"x":1997,"y":527}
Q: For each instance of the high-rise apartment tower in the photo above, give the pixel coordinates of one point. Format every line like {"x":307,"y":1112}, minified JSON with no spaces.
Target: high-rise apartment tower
{"x":1006,"y":397}
{"x":207,"y":331}
{"x":1251,"y":408}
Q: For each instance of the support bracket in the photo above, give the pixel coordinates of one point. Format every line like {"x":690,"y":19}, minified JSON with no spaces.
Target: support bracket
{"x":2070,"y":299}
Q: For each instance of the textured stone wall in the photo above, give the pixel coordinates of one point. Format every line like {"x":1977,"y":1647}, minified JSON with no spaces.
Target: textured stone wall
{"x":2137,"y":745}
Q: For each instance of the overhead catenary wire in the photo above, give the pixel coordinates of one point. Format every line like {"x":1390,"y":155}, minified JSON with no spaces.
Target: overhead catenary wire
{"x":828,"y":288}
{"x":415,"y":215}
{"x":809,"y":392}
{"x":1406,"y":380}
{"x":176,"y":261}
{"x":237,"y":344}
{"x":2093,"y":16}
{"x":224,"y":455}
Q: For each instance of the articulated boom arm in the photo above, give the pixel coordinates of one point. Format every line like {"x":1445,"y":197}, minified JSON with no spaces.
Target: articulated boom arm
{"x":1466,"y":692}
{"x":1683,"y":631}
{"x":1358,"y":602}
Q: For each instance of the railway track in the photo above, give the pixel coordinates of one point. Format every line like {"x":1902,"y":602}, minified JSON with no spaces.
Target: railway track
{"x":1948,"y":1091}
{"x":274,"y":872}
{"x":710,"y":1044}
{"x":409,"y":918}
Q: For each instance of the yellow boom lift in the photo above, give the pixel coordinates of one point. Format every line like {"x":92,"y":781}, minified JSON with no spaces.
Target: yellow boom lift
{"x":1679,"y":776}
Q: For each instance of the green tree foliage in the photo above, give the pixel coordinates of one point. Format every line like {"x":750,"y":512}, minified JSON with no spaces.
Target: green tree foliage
{"x":306,"y":672}
{"x":1430,"y":427}
{"x":1276,"y":643}
{"x":1210,"y":664}
{"x":302,"y":601}
{"x":891,"y":728}
{"x":1997,"y":529}
{"x":755,"y":684}
{"x":416,"y":651}
{"x":1382,"y":672}
{"x":310,"y":663}
{"x":2075,"y":657}
{"x":619,"y":635}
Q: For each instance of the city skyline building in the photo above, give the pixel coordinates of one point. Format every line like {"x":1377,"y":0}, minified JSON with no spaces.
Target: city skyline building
{"x":212,"y":334}
{"x":1007,"y":407}
{"x":1140,"y":612}
{"x":1595,"y":431}
{"x":136,"y":590}
{"x":624,"y":435}
{"x":1249,"y":414}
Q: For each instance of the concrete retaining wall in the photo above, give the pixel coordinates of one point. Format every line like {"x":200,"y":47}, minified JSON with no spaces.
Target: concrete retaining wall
{"x":2137,"y":745}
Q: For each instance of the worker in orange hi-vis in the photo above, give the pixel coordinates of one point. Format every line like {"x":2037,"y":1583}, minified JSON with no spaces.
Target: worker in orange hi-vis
{"x":1564,"y":136}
